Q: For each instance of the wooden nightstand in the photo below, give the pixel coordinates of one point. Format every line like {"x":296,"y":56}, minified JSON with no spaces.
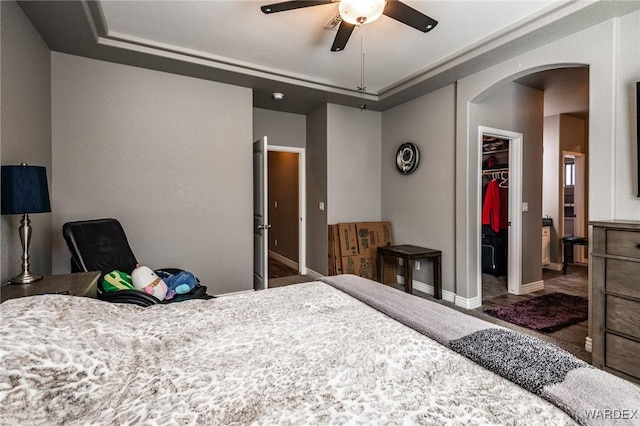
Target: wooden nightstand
{"x":76,"y":284}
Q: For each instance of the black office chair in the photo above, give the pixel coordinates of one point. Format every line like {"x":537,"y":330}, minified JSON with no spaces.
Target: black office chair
{"x":102,"y":245}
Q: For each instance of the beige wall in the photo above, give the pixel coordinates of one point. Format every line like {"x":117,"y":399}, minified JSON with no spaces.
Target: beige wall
{"x":25,"y":130}
{"x":167,"y":155}
{"x":283,"y":204}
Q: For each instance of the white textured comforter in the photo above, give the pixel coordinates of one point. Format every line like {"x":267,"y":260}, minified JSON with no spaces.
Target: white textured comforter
{"x":303,"y":354}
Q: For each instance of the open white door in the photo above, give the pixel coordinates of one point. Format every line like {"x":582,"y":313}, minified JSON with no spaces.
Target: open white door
{"x":260,"y":219}
{"x":514,"y":244}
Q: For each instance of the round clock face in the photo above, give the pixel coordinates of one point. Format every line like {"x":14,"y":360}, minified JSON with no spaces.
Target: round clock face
{"x":407,"y":158}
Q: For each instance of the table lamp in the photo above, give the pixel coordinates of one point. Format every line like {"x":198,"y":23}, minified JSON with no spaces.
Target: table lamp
{"x":24,"y":191}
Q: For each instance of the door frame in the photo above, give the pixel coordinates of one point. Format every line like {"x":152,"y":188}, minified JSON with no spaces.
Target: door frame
{"x":302,"y":202}
{"x":579,"y":194}
{"x":514,"y":257}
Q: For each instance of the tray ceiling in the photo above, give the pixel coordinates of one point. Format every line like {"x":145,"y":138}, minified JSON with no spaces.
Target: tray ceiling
{"x":234,"y":42}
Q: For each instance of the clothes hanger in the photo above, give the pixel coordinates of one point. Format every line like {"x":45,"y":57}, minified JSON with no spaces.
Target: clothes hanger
{"x":504,"y":183}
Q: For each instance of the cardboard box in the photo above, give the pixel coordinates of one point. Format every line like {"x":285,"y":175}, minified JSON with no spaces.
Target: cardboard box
{"x":348,"y":265}
{"x":331,"y":263}
{"x":335,"y":260}
{"x":389,"y":273}
{"x":361,"y":265}
{"x":348,"y":239}
{"x":368,"y":267}
{"x":373,"y":234}
{"x":353,"y":249}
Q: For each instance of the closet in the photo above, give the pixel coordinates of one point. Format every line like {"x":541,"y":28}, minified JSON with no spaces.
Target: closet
{"x":495,"y":206}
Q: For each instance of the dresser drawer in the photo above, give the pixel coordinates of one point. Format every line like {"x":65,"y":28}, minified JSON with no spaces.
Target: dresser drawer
{"x":622,"y":355}
{"x":623,"y":316}
{"x":623,"y":243}
{"x":622,"y":277}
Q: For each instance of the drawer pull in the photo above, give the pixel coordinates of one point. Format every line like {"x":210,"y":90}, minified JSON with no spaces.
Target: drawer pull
{"x":638,"y":245}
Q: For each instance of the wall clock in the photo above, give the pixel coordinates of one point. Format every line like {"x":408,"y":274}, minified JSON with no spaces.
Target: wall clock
{"x":407,"y":158}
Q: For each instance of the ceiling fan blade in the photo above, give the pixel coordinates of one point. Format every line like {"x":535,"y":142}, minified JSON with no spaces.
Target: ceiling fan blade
{"x":290,"y":5}
{"x":344,"y":32}
{"x":409,"y":16}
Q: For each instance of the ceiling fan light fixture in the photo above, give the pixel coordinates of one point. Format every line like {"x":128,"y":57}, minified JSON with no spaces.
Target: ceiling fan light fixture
{"x":358,"y":12}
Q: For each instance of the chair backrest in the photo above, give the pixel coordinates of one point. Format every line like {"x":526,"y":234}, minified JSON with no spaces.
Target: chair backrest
{"x":99,"y":245}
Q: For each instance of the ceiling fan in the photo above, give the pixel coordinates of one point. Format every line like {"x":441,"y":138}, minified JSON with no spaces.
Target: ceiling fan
{"x":360,"y":12}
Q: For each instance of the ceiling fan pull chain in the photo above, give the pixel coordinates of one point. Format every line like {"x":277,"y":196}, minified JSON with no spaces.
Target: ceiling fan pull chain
{"x":362,"y":87}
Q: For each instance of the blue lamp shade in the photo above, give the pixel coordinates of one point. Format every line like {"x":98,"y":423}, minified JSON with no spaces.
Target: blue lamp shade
{"x":24,"y":190}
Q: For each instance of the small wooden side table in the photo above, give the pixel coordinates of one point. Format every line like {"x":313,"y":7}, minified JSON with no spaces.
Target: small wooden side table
{"x":569,"y":243}
{"x":409,"y":253}
{"x":76,"y":284}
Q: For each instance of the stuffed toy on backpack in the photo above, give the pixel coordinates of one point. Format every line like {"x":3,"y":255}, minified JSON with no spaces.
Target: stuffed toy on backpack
{"x":116,"y":281}
{"x":146,"y":280}
{"x":181,"y":282}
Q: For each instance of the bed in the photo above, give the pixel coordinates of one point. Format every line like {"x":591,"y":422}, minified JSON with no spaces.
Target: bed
{"x":345,"y":350}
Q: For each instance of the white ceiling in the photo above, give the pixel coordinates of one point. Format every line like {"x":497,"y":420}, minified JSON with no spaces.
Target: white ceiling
{"x":233,"y":42}
{"x":295,"y":44}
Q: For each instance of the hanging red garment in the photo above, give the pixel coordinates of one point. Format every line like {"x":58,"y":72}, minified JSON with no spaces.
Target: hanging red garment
{"x":492,"y":211}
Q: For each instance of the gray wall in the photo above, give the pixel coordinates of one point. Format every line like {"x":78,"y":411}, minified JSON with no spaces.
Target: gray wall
{"x":421,"y":206}
{"x":283,"y":203}
{"x":25,"y":130}
{"x":316,"y":173}
{"x":167,"y":155}
{"x":608,"y":50}
{"x":280,"y":128}
{"x":519,"y":109}
{"x":353,"y":164}
{"x":623,"y":186}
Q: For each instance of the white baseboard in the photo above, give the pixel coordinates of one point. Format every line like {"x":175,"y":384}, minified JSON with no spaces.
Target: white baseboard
{"x":428,"y":289}
{"x":314,"y":274}
{"x":553,"y":266}
{"x":280,"y":258}
{"x":531,"y":287}
{"x":472,"y":303}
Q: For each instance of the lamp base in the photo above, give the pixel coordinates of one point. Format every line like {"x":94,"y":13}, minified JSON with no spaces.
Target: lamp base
{"x":26,"y":277}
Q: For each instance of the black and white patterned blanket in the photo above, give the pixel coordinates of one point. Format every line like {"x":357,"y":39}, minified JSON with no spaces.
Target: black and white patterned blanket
{"x":302,"y":354}
{"x":589,"y":395}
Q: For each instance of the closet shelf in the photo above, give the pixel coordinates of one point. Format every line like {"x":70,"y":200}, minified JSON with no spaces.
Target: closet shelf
{"x":497,"y":151}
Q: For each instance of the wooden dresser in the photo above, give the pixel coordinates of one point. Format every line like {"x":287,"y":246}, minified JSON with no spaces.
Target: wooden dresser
{"x":615,"y":297}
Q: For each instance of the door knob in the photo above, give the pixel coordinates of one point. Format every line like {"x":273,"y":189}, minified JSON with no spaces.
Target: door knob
{"x":263,"y":226}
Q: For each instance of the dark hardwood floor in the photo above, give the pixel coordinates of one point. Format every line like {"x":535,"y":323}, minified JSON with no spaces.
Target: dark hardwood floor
{"x":278,"y":269}
{"x":281,"y":275}
{"x":575,"y":282}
